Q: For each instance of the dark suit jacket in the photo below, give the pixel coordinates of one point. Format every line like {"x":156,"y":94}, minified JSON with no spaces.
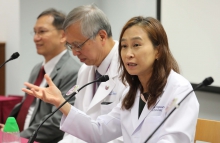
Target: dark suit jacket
{"x":64,"y":76}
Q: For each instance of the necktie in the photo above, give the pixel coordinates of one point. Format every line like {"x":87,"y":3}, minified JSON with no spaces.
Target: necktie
{"x":28,"y":101}
{"x":97,"y":75}
{"x":96,"y":85}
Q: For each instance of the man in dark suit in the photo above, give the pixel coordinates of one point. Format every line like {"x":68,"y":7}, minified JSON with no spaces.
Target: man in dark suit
{"x":50,"y":41}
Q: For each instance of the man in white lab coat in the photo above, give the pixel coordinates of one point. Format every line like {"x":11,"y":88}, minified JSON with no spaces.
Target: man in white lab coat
{"x":89,"y":36}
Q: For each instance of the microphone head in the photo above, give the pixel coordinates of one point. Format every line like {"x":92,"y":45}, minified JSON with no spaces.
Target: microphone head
{"x":207,"y":81}
{"x":15,"y":56}
{"x":103,"y":78}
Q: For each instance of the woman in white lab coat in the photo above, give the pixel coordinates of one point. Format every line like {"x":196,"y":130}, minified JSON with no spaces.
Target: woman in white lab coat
{"x":155,"y":87}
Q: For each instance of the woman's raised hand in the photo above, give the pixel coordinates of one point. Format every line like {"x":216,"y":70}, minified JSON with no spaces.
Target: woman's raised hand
{"x":49,"y":94}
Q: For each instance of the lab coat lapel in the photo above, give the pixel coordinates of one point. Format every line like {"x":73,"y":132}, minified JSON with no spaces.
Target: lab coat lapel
{"x":144,"y":113}
{"x":104,"y":88}
{"x":134,"y":110}
{"x":88,"y":93}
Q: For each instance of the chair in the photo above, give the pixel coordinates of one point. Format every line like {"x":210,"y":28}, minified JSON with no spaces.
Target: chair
{"x":208,"y":131}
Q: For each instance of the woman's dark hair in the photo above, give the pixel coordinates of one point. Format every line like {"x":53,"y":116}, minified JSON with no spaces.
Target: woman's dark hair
{"x":161,"y":67}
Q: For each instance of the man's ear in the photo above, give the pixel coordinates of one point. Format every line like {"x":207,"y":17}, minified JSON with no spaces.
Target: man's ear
{"x":63,"y":36}
{"x":102,"y":35}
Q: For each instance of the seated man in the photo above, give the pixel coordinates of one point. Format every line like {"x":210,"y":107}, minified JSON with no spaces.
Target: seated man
{"x":50,"y":42}
{"x":89,"y":36}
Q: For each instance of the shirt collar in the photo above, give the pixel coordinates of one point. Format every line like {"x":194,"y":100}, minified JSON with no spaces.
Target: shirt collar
{"x":49,"y":66}
{"x":106,"y":63}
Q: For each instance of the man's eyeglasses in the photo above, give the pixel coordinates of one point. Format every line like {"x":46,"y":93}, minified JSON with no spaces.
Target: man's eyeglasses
{"x":75,"y":46}
{"x":42,"y":32}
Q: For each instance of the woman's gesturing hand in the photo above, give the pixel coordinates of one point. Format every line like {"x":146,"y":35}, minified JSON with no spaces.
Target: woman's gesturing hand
{"x":50,"y":94}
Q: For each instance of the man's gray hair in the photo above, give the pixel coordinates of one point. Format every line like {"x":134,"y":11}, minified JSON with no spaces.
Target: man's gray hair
{"x":91,"y":18}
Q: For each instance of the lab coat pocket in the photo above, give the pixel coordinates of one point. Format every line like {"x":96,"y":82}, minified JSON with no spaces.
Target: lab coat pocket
{"x":106,"y":107}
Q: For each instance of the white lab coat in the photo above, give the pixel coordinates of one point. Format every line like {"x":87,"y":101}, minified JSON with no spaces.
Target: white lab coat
{"x":178,"y":128}
{"x":109,"y":91}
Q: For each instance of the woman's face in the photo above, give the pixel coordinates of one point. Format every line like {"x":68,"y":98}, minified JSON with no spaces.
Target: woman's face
{"x":137,"y":52}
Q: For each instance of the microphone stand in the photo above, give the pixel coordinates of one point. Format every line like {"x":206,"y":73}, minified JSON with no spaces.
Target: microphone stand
{"x":34,"y":135}
{"x":206,"y":82}
{"x":13,"y":56}
{"x":5,"y":62}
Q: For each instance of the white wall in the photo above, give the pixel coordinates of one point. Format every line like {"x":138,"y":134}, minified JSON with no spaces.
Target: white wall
{"x":193,"y":31}
{"x":9,"y":33}
{"x":120,"y":11}
{"x":3,"y":20}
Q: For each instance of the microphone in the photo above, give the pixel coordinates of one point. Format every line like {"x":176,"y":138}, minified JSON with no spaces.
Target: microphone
{"x":103,"y":78}
{"x":207,"y":81}
{"x":13,"y":56}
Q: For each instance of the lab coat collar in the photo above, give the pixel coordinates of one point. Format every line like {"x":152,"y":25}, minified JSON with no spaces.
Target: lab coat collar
{"x":137,"y":122}
{"x":134,"y":111}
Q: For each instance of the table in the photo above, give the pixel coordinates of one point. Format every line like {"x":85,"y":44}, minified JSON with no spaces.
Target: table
{"x":6,"y":105}
{"x":23,"y":140}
